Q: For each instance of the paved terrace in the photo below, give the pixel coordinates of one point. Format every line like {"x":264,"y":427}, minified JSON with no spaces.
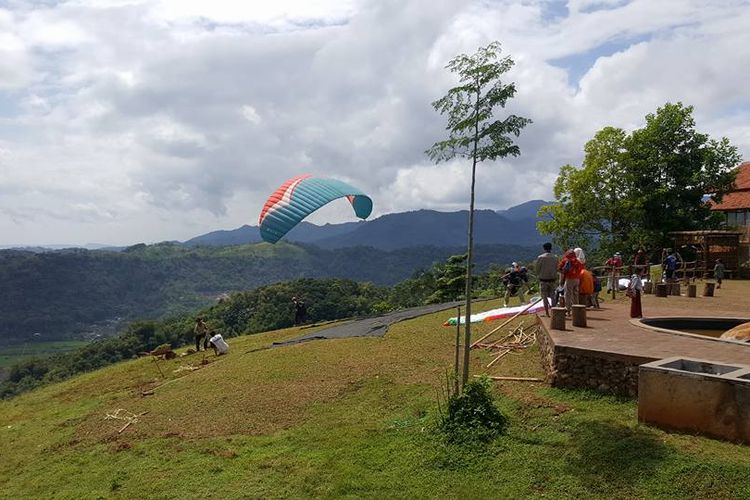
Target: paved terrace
{"x":605,"y":355}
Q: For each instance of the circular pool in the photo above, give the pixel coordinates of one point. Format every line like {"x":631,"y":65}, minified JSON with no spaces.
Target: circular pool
{"x":710,"y":328}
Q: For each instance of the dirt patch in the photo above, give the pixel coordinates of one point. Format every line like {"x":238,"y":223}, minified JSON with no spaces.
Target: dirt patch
{"x":119,"y":446}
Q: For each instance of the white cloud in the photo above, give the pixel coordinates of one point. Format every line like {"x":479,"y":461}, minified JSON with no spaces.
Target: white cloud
{"x":125,"y":121}
{"x":250,"y":114}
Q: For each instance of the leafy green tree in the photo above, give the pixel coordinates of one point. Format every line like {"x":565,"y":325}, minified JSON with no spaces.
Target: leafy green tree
{"x":673,"y":166}
{"x":632,"y":190}
{"x":474,"y":134}
{"x":594,"y":201}
{"x":450,"y":280}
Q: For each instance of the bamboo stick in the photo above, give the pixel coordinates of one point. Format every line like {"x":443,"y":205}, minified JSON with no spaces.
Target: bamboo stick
{"x":515,"y":379}
{"x":514,"y":332}
{"x":499,"y":327}
{"x":498,"y":358}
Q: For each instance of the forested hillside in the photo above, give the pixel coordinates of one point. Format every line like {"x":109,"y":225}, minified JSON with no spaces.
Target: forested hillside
{"x":74,"y":293}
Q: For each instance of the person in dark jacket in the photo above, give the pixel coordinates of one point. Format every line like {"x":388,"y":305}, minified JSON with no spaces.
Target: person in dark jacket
{"x":300,"y":311}
{"x":515,"y":283}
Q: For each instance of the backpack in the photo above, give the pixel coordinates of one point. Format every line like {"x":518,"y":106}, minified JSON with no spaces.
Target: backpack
{"x":567,"y":266}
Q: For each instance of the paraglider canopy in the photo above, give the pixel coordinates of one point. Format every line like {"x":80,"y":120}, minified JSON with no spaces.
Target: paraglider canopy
{"x":300,"y":196}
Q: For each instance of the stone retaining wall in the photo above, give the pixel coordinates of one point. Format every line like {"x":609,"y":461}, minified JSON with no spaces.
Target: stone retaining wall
{"x":580,"y":368}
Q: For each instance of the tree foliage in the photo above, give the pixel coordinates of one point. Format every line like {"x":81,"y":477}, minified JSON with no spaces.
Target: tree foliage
{"x":633,"y":189}
{"x":474,"y":134}
{"x":74,"y":293}
{"x":469,"y":108}
{"x":450,"y":280}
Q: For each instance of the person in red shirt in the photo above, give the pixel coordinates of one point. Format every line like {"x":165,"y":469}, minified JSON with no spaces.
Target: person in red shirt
{"x":614,"y":264}
{"x":571,"y":269}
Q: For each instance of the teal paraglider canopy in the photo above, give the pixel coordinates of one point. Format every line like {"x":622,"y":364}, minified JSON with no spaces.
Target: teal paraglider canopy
{"x":300,"y":196}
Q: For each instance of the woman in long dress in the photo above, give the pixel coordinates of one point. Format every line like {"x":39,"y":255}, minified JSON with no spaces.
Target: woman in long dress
{"x":635,"y":288}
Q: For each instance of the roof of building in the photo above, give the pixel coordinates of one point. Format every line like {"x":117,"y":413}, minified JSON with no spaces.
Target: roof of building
{"x":739,"y":197}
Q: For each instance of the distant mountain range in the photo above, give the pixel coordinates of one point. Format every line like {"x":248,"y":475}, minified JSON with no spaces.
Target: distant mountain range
{"x":514,"y":226}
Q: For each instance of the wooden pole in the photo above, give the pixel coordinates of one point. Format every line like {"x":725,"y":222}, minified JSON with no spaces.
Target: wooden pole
{"x":458,"y":342}
{"x":159,"y":367}
{"x":498,"y":358}
{"x":505,"y":323}
{"x":507,"y":336}
{"x":517,"y":379}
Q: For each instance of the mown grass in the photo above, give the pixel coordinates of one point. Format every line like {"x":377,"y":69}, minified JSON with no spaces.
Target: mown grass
{"x":345,"y":418}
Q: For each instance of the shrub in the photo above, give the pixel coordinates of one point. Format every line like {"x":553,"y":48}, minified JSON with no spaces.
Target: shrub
{"x":472,"y":414}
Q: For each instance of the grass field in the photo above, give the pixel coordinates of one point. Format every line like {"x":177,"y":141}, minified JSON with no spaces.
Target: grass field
{"x":345,"y":418}
{"x":18,"y":352}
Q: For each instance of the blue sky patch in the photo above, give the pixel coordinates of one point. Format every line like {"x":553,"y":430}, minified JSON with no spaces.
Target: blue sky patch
{"x":577,"y":65}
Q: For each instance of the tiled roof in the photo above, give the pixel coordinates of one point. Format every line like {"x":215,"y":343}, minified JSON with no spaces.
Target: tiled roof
{"x":738,"y":199}
{"x":743,"y":176}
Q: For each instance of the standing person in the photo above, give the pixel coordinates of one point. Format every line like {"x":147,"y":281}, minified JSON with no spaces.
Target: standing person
{"x":515,"y":281}
{"x":571,"y":268}
{"x":670,"y":265}
{"x":200,"y":330}
{"x":718,"y":272}
{"x":613,"y":264}
{"x":635,"y":288}
{"x":546,"y":270}
{"x":300,"y":311}
{"x":586,"y":288}
{"x":640,"y":265}
{"x":597,"y":289}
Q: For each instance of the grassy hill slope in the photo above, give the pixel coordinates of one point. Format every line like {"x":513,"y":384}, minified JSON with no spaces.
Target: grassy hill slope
{"x":349,"y":417}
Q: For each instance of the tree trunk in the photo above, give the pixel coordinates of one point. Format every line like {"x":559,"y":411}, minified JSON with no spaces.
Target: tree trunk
{"x":470,"y":250}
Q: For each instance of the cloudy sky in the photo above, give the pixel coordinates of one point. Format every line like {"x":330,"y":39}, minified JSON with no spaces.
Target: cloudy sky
{"x":124,"y":121}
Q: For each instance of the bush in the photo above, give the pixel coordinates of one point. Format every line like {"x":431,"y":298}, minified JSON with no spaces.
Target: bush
{"x":472,"y":414}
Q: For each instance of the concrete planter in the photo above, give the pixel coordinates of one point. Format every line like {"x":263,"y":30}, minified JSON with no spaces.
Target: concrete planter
{"x":696,"y":395}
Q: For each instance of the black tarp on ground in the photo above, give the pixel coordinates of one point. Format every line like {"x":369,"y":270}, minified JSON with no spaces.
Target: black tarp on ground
{"x":369,"y":327}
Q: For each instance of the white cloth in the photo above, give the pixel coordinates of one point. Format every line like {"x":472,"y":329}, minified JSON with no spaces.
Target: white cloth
{"x":219,"y":343}
{"x":636,"y":283}
{"x":580,"y":255}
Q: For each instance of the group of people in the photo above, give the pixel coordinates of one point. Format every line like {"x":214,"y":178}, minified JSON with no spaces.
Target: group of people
{"x":203,"y":337}
{"x":566,"y":281}
{"x":206,"y":338}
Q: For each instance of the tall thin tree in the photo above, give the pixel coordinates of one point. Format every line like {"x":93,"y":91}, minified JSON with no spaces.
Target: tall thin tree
{"x":474,"y":135}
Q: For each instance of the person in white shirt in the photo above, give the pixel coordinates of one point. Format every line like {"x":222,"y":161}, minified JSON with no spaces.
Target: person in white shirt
{"x":219,"y":344}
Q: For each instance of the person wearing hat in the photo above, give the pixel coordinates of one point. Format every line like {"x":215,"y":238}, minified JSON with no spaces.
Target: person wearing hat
{"x":613,"y":264}
{"x":200,"y":330}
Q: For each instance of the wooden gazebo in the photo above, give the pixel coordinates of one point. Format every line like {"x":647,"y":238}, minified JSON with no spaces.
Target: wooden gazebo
{"x":710,"y":245}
